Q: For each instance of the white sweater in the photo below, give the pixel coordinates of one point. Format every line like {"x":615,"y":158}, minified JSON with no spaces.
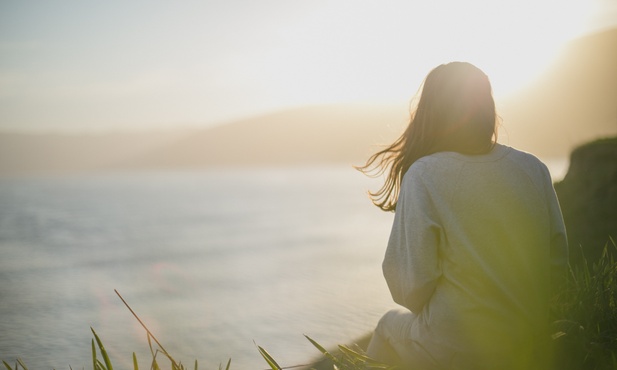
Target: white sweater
{"x":474,"y":242}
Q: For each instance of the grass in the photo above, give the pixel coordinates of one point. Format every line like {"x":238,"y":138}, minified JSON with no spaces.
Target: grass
{"x":586,"y":316}
{"x":584,"y":337}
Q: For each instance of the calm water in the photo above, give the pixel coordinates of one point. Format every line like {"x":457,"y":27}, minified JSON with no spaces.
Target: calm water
{"x":212,"y":261}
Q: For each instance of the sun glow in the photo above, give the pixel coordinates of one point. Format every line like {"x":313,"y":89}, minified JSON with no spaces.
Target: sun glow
{"x":206,"y":64}
{"x":528,"y":36}
{"x":381,"y":51}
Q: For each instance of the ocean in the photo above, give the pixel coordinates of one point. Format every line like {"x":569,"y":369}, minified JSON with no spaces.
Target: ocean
{"x":215,"y":262}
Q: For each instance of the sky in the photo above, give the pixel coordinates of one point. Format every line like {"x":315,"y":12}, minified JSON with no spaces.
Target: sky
{"x":83,"y":66}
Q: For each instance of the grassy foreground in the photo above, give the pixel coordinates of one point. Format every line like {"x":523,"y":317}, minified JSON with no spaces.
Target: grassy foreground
{"x":585,"y":315}
{"x":584,"y":335}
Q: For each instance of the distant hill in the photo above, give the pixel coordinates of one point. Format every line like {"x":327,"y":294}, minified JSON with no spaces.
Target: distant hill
{"x":575,"y":101}
{"x":310,"y":135}
{"x":46,"y":153}
{"x":323,"y":134}
{"x":572,"y":103}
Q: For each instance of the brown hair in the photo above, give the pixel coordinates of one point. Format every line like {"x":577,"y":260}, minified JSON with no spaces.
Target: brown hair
{"x":455,"y":113}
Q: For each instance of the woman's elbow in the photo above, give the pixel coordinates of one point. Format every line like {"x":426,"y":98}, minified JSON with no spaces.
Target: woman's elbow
{"x":418,"y":297}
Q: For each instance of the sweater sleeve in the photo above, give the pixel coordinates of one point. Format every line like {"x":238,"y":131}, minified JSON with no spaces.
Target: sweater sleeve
{"x":411,"y":264}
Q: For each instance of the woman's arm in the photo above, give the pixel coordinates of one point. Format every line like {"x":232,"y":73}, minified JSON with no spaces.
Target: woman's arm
{"x":411,"y":264}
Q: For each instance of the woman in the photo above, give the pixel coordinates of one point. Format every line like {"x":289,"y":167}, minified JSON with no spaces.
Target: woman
{"x":477,"y":237}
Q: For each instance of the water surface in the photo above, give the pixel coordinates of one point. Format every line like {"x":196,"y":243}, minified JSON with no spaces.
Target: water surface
{"x":213,"y":261}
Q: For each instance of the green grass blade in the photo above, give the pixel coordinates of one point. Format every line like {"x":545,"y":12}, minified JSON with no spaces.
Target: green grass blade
{"x":93,"y":355}
{"x":155,"y":364}
{"x":269,"y":359}
{"x":21,"y":363}
{"x":320,"y":348}
{"x":350,"y":352}
{"x":8,"y":366}
{"x":103,"y":351}
{"x":135,"y":364}
{"x":99,"y":365}
{"x":226,"y":367}
{"x":150,"y":345}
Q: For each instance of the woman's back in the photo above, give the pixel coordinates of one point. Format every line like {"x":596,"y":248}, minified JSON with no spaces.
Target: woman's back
{"x":492,"y":218}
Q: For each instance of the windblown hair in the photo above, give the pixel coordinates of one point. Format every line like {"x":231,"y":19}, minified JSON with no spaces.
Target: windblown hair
{"x":455,"y":113}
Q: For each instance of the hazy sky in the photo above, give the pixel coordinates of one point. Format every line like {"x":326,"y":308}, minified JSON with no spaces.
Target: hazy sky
{"x":100,"y":65}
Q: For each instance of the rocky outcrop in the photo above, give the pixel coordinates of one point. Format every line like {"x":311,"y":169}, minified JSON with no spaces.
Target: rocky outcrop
{"x":588,"y":198}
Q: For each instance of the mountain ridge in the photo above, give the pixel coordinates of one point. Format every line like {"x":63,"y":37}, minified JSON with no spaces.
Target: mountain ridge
{"x":575,"y":101}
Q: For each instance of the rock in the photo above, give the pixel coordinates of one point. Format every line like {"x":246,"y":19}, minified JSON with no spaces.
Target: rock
{"x":588,"y":198}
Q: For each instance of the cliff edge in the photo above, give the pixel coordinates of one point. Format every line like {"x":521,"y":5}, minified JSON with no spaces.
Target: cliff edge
{"x":588,"y":198}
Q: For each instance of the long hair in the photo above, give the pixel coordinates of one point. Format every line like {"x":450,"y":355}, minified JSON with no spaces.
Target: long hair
{"x":455,"y":113}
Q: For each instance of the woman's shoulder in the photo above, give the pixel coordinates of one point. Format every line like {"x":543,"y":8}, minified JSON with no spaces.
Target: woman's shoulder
{"x":503,"y":156}
{"x":522,"y":155}
{"x":498,"y":153}
{"x":433,"y":168}
{"x":527,"y":160}
{"x":450,"y":160}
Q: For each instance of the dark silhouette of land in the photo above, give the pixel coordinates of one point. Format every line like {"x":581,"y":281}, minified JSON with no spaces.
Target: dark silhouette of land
{"x":575,"y":101}
{"x":588,"y":198}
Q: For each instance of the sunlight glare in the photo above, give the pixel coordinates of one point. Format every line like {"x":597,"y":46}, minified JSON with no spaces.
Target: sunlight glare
{"x":513,"y":42}
{"x":381,"y":52}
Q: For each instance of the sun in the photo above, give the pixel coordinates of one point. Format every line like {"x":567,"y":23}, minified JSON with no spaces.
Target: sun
{"x":382,"y":51}
{"x":513,"y":42}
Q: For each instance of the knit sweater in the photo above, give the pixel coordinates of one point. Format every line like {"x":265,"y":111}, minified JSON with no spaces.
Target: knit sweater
{"x":475,"y":242}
